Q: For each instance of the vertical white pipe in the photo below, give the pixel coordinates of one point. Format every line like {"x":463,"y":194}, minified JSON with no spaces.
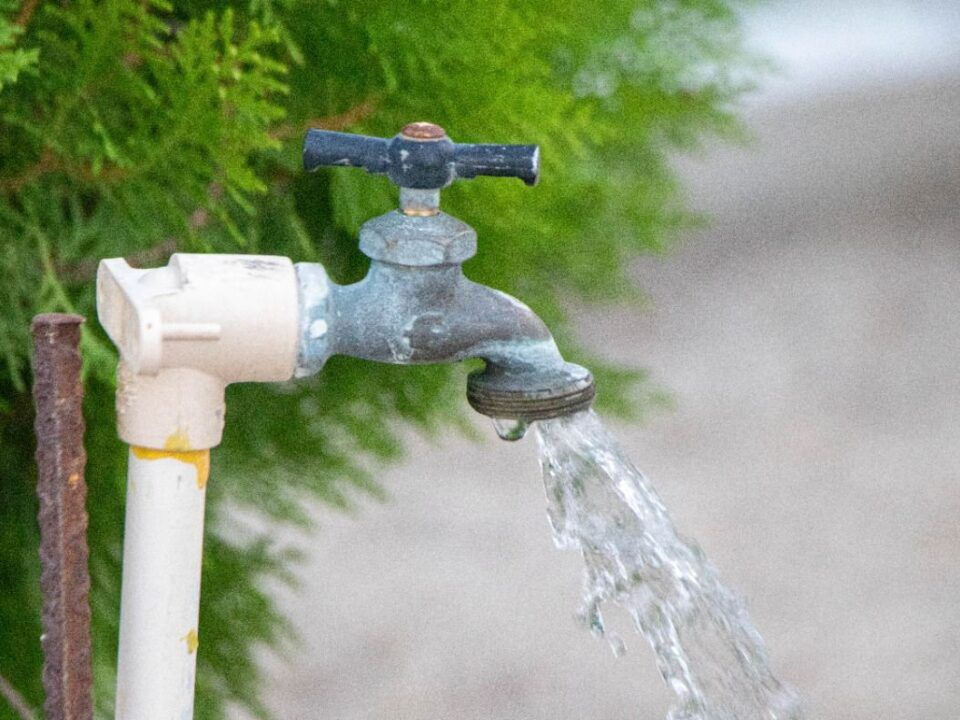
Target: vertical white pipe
{"x":162,"y":550}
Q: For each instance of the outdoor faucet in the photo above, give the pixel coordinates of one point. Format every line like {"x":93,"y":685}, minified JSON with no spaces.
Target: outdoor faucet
{"x":415,"y":306}
{"x":187,"y":330}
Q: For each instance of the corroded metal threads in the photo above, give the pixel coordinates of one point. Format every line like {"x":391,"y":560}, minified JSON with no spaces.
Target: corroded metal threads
{"x":531,"y":396}
{"x":64,"y":577}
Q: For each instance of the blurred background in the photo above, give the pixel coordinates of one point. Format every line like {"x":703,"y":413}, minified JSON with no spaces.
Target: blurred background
{"x":809,"y":339}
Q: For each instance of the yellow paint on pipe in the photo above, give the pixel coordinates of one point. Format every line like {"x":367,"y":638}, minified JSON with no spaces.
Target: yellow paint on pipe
{"x":178,"y":441}
{"x":200,"y":459}
{"x":192,"y":639}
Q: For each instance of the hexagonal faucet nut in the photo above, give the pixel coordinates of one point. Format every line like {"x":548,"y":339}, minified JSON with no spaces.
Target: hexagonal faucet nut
{"x":186,"y":330}
{"x":401,"y":239}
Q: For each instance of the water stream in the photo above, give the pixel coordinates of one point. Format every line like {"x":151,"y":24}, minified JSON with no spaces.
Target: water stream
{"x":707,"y":649}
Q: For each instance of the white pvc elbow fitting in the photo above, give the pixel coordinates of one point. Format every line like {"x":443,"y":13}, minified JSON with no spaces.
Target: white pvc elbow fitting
{"x":185,"y":331}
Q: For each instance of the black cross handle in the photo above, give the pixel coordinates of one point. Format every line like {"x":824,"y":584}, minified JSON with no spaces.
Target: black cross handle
{"x":421,"y":156}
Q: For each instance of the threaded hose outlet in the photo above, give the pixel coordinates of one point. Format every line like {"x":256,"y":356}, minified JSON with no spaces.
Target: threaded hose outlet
{"x":530,"y":395}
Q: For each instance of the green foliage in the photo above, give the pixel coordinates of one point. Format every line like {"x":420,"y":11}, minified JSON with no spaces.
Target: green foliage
{"x":13,"y":61}
{"x":141,"y":127}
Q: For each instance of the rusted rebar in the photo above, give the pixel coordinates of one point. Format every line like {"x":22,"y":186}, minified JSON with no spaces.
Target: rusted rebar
{"x":64,"y":577}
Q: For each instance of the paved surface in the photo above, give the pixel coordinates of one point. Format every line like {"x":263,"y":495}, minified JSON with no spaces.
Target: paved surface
{"x":811,"y":340}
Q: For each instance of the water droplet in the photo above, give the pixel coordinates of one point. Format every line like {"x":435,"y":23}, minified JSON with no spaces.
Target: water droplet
{"x":617,"y":645}
{"x":590,"y":617}
{"x":510,"y":428}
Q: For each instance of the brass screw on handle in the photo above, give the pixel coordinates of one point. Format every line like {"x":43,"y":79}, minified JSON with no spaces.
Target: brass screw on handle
{"x":423,"y":131}
{"x":64,"y":576}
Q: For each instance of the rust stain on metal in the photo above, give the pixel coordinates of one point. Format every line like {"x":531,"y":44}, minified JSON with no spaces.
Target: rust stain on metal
{"x":64,"y":577}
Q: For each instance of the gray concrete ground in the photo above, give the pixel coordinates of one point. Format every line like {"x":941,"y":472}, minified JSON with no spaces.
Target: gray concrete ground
{"x":811,"y":341}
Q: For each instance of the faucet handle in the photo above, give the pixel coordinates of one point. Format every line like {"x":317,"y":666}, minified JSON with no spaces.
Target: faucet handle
{"x":420,"y":157}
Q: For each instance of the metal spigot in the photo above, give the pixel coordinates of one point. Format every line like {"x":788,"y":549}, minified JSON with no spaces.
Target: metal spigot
{"x":415,"y":305}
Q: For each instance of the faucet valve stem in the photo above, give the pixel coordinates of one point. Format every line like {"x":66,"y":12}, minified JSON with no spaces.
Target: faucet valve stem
{"x":419,"y":203}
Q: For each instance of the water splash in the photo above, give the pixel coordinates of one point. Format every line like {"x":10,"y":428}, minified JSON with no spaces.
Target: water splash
{"x":707,"y":649}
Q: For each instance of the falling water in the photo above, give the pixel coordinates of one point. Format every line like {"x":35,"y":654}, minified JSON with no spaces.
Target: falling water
{"x":707,"y":649}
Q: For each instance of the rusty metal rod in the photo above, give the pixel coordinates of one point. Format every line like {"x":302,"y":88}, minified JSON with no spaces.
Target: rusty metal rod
{"x":64,"y":577}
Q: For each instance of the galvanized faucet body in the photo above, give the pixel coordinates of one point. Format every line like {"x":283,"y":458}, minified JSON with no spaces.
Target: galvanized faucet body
{"x":416,"y":306}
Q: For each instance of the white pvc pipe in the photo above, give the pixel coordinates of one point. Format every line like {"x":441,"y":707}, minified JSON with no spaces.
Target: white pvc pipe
{"x":162,"y":550}
{"x":184,"y":331}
